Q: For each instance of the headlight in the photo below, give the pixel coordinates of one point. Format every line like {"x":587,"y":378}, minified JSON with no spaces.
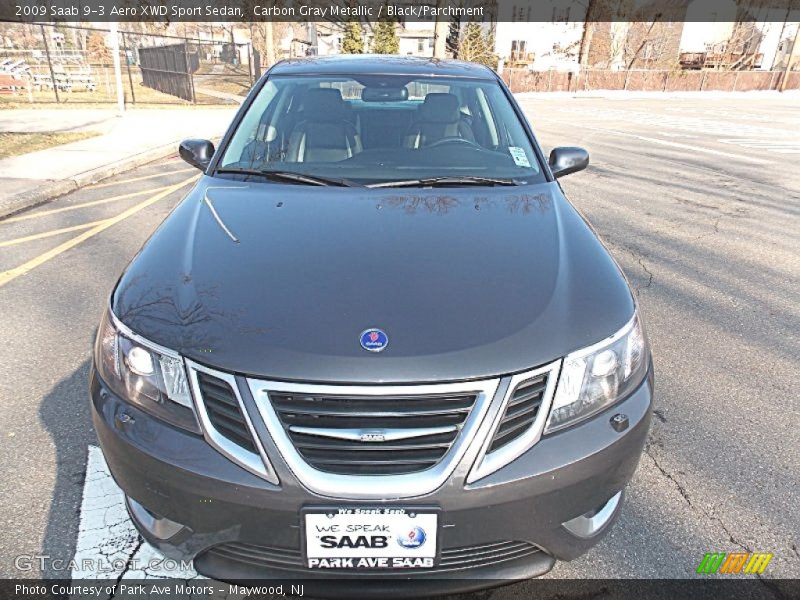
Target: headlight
{"x":153,"y":379}
{"x":596,"y":377}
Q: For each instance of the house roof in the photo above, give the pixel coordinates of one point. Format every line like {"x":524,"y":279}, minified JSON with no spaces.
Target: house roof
{"x":380,"y":64}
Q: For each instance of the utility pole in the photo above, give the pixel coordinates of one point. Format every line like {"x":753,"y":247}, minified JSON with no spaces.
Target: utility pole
{"x":440,"y":30}
{"x":789,"y":58}
{"x":269,"y":43}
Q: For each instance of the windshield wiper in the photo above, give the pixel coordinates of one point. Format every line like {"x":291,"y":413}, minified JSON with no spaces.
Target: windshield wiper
{"x":291,"y":176}
{"x":446,"y":180}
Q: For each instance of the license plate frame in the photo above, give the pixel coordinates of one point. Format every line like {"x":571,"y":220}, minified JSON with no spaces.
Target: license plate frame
{"x":366,"y":559}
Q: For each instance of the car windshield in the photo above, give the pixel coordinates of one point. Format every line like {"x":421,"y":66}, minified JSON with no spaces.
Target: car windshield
{"x":383,"y":130}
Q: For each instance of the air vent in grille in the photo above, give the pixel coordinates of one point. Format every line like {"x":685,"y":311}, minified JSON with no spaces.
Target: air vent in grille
{"x":451,"y":558}
{"x":520,"y":412}
{"x":366,"y":435}
{"x":224,"y":411}
{"x":484,"y":555}
{"x":261,"y":556}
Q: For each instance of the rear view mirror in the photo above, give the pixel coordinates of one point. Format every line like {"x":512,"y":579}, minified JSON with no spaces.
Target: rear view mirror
{"x":568,"y":159}
{"x":197,"y":153}
{"x":384,"y":94}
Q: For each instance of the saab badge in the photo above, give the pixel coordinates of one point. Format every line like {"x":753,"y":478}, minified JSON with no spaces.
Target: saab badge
{"x":374,"y":340}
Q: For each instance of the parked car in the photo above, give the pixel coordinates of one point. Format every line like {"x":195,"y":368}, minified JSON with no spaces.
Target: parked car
{"x":375,"y":346}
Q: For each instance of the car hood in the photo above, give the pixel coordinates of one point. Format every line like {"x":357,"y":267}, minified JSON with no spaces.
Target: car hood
{"x":278,"y":281}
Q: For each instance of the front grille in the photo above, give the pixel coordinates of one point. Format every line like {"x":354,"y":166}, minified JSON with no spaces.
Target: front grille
{"x":260,"y":556}
{"x":485,"y":555}
{"x":451,"y":558}
{"x":224,"y":411}
{"x":426,"y":427}
{"x":521,"y":411}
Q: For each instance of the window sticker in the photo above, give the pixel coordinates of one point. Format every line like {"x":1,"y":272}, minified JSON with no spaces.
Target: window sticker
{"x":519,"y":156}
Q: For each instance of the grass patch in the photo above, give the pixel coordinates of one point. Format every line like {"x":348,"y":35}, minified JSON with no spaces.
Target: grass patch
{"x":14,"y":144}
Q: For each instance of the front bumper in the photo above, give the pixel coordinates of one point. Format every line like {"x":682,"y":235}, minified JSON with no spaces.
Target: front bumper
{"x":504,"y":527}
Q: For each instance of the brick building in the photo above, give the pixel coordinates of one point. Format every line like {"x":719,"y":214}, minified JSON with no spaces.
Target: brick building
{"x":626,"y":34}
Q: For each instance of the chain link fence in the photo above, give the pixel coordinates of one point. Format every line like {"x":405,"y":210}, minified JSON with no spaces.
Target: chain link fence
{"x":68,"y":64}
{"x":65,"y":64}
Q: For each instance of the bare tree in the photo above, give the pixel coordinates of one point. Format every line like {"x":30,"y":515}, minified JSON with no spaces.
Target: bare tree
{"x":643,"y":42}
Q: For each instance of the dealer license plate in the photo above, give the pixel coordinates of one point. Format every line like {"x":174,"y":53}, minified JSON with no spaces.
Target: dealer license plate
{"x":370,"y":538}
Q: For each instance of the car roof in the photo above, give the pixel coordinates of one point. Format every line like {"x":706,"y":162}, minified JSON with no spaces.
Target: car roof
{"x":381,"y":64}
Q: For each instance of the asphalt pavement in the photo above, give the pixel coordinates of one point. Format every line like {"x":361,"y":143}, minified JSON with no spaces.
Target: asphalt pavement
{"x":698,"y":200}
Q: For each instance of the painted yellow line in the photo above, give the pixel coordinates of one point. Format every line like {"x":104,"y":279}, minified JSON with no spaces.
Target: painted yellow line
{"x":143,"y":177}
{"x":53,"y":211}
{"x":24,"y":268}
{"x":46,"y":234}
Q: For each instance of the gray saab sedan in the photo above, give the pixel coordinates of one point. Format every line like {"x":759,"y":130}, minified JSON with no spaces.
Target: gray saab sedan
{"x":375,"y":348}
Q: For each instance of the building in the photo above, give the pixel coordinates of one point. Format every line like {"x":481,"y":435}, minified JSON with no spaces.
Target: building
{"x":539,"y":46}
{"x":416,"y":39}
{"x":523,"y":40}
{"x":326,"y":38}
{"x":788,"y":48}
{"x":763,"y":45}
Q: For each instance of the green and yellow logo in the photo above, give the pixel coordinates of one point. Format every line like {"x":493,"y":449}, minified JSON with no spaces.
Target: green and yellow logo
{"x":735,"y":562}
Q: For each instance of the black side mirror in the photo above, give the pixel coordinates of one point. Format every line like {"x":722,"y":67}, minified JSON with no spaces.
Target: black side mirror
{"x":197,"y":153}
{"x":568,"y":159}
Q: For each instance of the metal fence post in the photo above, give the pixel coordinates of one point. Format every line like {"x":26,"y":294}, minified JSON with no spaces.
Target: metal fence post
{"x":50,"y":64}
{"x":189,"y":69}
{"x":250,"y":62}
{"x":703,"y":80}
{"x":128,"y":65}
{"x":117,"y":69}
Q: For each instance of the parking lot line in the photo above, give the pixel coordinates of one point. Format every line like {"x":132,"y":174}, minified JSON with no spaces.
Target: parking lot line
{"x":53,"y":211}
{"x":11,"y":274}
{"x":38,"y":236}
{"x":143,"y":177}
{"x":692,"y":147}
{"x":108,"y":544}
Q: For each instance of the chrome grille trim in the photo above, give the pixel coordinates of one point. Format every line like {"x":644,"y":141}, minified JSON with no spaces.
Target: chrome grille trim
{"x":520,"y":411}
{"x":404,"y":485}
{"x":258,"y":464}
{"x":489,"y":462}
{"x":388,"y":435}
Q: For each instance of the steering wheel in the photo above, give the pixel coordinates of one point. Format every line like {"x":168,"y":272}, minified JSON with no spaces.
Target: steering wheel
{"x":454,"y":140}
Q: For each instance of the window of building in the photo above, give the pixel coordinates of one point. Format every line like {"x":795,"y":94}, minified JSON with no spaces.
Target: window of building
{"x":518,"y":49}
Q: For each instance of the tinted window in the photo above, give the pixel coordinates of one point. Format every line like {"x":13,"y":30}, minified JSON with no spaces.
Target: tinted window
{"x":383,"y":128}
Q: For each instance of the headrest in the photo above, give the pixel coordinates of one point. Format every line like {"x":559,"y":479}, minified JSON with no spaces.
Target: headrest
{"x":440,"y":108}
{"x":323,"y":104}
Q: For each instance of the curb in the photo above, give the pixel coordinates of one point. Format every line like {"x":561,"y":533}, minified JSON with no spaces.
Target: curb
{"x":48,"y":190}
